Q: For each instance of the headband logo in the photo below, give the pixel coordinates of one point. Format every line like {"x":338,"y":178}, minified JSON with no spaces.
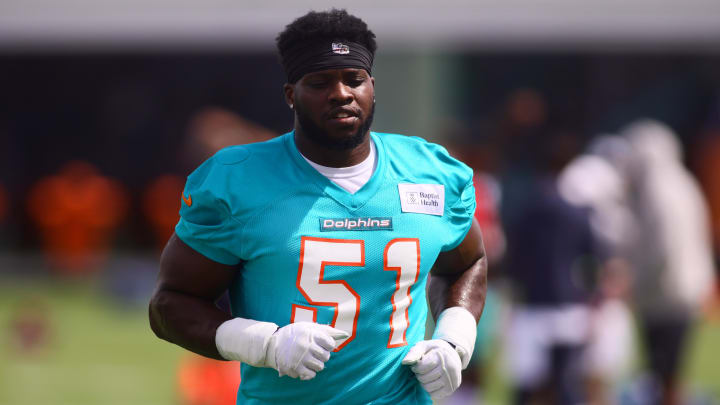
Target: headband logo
{"x":340,"y":49}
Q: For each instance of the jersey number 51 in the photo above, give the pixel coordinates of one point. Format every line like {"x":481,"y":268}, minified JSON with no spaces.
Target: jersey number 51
{"x":401,"y":255}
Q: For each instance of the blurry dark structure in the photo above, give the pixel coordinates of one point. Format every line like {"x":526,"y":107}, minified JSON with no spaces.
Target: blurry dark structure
{"x":707,"y":166}
{"x":128,"y":113}
{"x":76,"y":212}
{"x":3,"y":203}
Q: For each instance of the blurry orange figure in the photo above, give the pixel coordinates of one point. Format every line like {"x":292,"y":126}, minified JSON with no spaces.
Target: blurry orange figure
{"x":161,"y":206}
{"x":76,"y":212}
{"x":204,"y":381}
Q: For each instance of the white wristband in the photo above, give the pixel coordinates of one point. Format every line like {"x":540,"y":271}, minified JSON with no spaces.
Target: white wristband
{"x":457,"y":326}
{"x":244,"y":340}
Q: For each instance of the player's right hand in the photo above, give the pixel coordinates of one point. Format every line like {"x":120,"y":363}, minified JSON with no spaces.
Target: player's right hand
{"x":300,"y":349}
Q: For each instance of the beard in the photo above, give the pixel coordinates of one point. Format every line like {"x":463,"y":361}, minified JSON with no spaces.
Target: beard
{"x":321,"y":136}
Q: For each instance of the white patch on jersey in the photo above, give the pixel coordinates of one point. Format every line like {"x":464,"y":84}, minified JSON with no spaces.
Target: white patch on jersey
{"x":422,"y":198}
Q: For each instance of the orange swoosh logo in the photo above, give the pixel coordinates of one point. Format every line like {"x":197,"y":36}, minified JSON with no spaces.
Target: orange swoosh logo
{"x":187,"y":200}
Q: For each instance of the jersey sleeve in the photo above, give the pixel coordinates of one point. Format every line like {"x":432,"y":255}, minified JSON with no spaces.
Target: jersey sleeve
{"x":460,"y":215}
{"x":461,"y":200}
{"x":206,"y":224}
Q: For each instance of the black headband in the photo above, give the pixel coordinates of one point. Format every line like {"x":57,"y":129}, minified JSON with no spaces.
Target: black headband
{"x":324,"y":55}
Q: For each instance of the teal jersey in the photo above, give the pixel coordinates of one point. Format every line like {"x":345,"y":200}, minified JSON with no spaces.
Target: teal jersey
{"x":308,"y":250}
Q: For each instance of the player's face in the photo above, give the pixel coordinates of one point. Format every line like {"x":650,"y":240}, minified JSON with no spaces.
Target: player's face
{"x":334,"y":108}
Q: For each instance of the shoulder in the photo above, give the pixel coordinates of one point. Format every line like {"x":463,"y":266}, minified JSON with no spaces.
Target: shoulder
{"x":236,"y":173}
{"x":408,"y":142}
{"x":417,"y":158}
{"x":233,"y":162}
{"x":248,"y":153}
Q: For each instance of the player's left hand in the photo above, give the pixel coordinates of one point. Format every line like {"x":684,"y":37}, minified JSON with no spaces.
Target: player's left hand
{"x":436,"y":365}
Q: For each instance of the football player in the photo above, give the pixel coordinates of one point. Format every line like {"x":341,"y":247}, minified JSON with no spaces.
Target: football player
{"x":325,"y":238}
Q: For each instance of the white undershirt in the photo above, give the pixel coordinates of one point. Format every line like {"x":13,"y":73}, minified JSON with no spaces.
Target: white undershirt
{"x":350,"y":178}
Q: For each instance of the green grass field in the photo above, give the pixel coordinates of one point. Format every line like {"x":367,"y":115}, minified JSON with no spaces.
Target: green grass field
{"x":103,"y":353}
{"x":98,"y":352}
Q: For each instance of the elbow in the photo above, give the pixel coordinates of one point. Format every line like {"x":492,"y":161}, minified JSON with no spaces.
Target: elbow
{"x":155,"y":314}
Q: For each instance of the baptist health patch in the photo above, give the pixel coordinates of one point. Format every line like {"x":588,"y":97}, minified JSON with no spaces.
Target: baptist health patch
{"x":356,"y":224}
{"x":422,"y":198}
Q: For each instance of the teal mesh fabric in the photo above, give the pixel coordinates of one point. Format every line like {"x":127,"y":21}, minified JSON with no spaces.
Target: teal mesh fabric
{"x":264,"y":205}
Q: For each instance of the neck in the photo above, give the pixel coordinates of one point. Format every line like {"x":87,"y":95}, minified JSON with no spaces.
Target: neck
{"x":332,"y":157}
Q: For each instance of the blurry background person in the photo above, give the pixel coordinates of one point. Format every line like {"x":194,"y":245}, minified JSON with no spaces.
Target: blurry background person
{"x":672,"y":257}
{"x":591,"y":180}
{"x":550,"y":251}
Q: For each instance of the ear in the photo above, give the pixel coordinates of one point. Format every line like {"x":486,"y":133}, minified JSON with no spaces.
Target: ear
{"x":289,"y":90}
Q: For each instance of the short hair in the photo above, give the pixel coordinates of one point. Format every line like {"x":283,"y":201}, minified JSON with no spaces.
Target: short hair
{"x":325,"y":25}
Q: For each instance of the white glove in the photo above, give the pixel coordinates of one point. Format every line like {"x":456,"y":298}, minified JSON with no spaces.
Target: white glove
{"x":300,"y":349}
{"x":459,"y":327}
{"x":297,"y":350}
{"x":436,"y":365}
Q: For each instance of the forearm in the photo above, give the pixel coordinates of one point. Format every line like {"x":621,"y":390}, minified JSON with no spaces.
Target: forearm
{"x":466,"y":289}
{"x":187,"y":321}
{"x":456,"y":299}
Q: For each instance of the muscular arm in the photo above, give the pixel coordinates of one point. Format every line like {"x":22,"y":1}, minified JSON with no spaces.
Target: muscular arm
{"x":182,"y":308}
{"x":459,"y":277}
